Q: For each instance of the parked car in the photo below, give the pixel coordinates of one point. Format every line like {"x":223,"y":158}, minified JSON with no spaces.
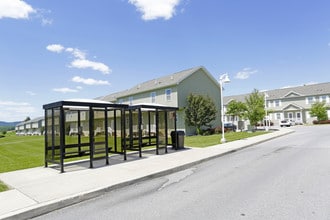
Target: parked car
{"x":287,"y":122}
{"x":229,"y":126}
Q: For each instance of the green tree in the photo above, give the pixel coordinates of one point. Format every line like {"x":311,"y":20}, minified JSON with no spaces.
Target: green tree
{"x":255,"y":107}
{"x":200,"y":111}
{"x":319,"y":110}
{"x":236,"y":108}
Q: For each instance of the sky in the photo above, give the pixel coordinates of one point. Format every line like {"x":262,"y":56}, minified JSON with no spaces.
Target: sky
{"x":58,"y":50}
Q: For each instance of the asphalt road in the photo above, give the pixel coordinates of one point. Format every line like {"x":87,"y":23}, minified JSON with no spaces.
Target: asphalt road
{"x":285,"y":178}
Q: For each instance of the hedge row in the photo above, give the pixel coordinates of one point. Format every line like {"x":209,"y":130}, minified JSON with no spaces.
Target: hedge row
{"x":315,"y":122}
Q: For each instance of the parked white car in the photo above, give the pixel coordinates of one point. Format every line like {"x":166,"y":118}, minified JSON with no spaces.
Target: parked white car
{"x":287,"y":122}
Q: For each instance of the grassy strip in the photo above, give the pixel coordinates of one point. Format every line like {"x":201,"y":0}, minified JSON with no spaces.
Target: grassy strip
{"x":206,"y":141}
{"x":3,"y":187}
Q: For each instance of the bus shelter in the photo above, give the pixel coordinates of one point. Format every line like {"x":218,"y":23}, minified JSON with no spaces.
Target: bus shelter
{"x":94,"y":129}
{"x":149,"y":125}
{"x":78,"y":128}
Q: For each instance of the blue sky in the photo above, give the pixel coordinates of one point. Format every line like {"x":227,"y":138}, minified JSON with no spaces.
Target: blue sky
{"x":56,"y":50}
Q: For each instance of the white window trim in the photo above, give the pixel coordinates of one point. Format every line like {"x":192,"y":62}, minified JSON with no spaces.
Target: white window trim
{"x":168,"y":97}
{"x":153,"y":97}
{"x":310,"y":97}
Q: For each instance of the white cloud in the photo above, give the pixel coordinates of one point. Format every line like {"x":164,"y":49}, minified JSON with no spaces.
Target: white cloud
{"x":80,"y":60}
{"x":76,"y":53}
{"x":83,"y":64}
{"x":64,"y":90}
{"x":89,"y":81}
{"x":31,"y":93}
{"x":15,"y":9}
{"x":46,"y":21}
{"x":56,"y":48}
{"x":11,"y":103}
{"x":152,"y":9}
{"x":15,"y":111}
{"x":245,"y":73}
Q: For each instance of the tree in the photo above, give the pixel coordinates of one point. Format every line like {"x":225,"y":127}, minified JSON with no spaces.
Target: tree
{"x":255,"y":107}
{"x":319,"y":110}
{"x":200,"y":111}
{"x":236,"y":108}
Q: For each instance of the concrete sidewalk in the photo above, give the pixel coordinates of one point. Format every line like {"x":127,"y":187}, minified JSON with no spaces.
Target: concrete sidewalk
{"x":40,"y":190}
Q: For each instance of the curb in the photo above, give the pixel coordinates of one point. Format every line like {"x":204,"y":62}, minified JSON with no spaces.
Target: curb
{"x":44,"y":208}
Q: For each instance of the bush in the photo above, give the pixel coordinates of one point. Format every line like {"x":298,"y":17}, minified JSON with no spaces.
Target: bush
{"x":316,"y":122}
{"x":208,"y":131}
{"x":218,"y":130}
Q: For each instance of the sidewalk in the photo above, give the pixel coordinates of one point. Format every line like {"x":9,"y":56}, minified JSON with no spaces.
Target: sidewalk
{"x":40,"y":190}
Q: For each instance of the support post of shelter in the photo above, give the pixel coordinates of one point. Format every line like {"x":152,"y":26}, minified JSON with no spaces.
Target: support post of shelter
{"x":157,"y":132}
{"x":166,"y":132}
{"x":62,"y":137}
{"x":46,"y":139}
{"x":91,"y":137}
{"x":106,"y":137}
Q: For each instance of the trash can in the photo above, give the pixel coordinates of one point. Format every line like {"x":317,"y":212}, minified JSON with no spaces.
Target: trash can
{"x":177,"y":139}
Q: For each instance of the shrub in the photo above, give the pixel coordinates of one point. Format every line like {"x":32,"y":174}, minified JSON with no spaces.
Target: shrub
{"x":316,"y":122}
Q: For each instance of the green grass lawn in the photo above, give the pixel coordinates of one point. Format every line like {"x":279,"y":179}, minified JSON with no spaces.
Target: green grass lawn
{"x":210,"y":140}
{"x":20,"y":152}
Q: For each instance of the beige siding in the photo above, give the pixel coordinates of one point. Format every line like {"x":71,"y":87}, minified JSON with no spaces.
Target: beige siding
{"x":199,"y":83}
{"x":160,"y":98}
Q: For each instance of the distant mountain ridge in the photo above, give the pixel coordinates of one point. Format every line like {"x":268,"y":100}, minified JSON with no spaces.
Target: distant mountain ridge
{"x":9,"y":124}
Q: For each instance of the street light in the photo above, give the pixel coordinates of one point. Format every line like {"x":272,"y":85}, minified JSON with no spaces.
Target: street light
{"x":223,"y":79}
{"x":266,"y":95}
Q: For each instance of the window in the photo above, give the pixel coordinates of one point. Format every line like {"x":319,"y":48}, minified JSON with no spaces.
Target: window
{"x":298,"y":116}
{"x":323,"y":98}
{"x":277,"y":103}
{"x":131,"y":100}
{"x":310,"y":100}
{"x":278,"y":116}
{"x":121,"y":101}
{"x":168,"y":94}
{"x":153,"y":97}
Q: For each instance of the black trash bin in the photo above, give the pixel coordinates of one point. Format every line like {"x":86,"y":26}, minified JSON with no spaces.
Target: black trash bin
{"x":177,"y":139}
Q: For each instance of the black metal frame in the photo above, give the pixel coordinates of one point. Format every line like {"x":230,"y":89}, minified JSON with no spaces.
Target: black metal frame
{"x":149,"y":108}
{"x":58,"y":149}
{"x":92,"y":151}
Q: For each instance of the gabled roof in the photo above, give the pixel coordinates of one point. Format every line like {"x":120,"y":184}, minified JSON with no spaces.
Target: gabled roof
{"x":292,"y":94}
{"x":165,"y":81}
{"x":302,"y":91}
{"x":292,"y":106}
